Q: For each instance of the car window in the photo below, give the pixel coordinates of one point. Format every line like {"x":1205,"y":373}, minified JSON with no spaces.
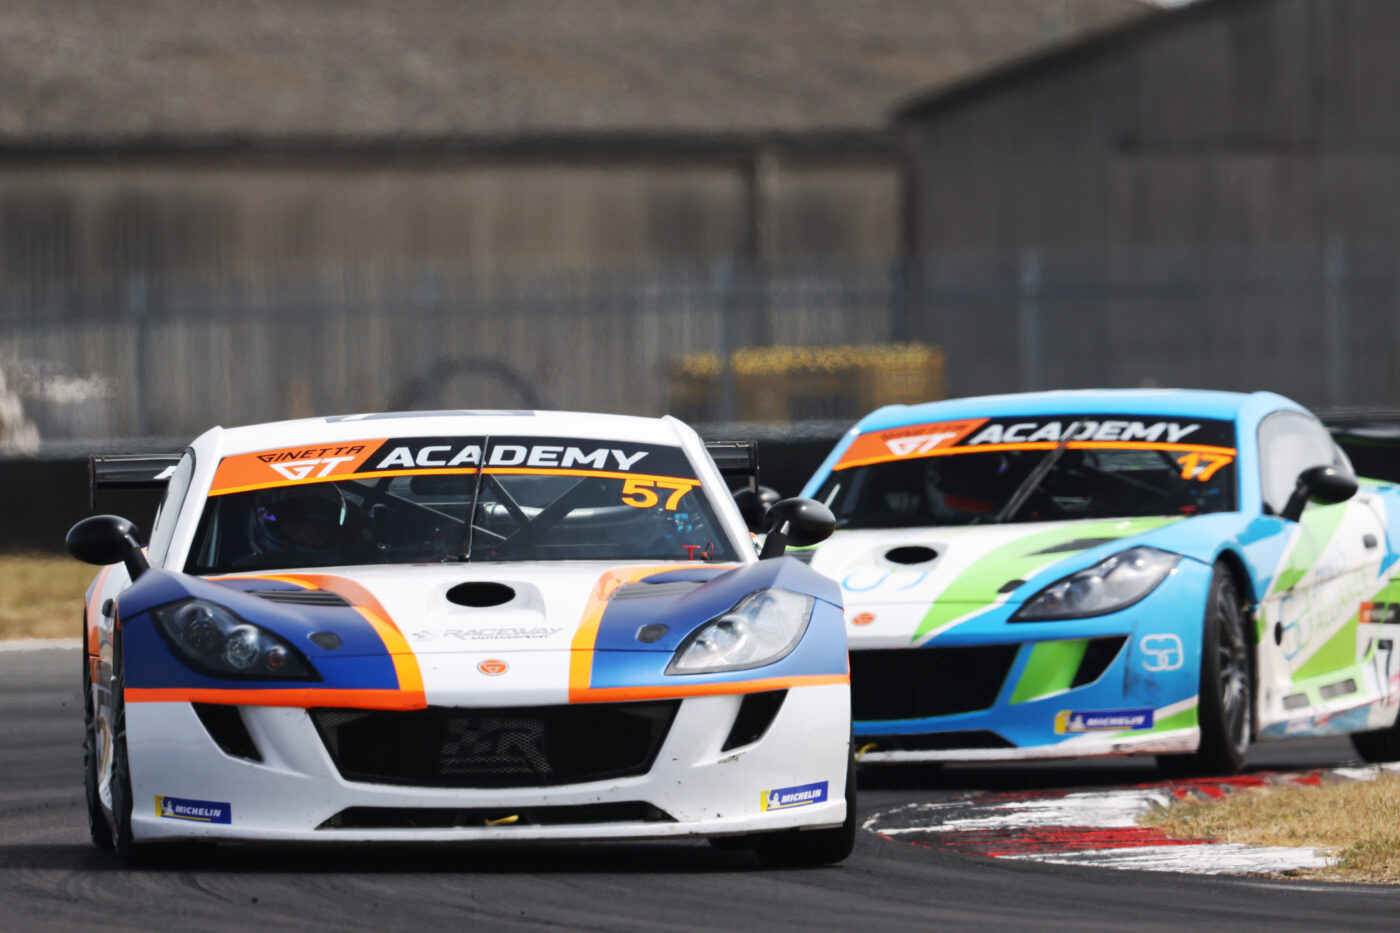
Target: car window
{"x":168,"y":512}
{"x":1046,"y":468}
{"x":511,"y":510}
{"x":1289,"y":443}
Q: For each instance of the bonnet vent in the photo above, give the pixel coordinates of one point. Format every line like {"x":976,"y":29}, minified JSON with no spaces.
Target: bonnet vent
{"x":480,"y":595}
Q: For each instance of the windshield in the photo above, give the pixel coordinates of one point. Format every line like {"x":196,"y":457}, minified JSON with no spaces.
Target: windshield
{"x":397,"y":501}
{"x":1055,"y":468}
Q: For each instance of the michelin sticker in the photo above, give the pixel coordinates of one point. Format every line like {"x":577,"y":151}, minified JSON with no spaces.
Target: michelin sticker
{"x":785,"y":798}
{"x":1113,"y":720}
{"x":199,"y":811}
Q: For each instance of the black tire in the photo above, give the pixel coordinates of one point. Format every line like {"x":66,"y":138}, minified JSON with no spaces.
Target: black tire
{"x":809,"y":848}
{"x":121,"y":768}
{"x":1225,"y":709}
{"x":1378,"y":745}
{"x":98,"y":827}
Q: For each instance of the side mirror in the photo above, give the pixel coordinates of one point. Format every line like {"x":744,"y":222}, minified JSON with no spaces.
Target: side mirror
{"x":107,"y":539}
{"x":1325,"y":485}
{"x":754,"y":506}
{"x":800,"y":522}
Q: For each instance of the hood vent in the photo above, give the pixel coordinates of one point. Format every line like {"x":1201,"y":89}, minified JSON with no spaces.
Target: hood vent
{"x":300,"y":597}
{"x":643,"y":590}
{"x":911,"y":554}
{"x":480,"y":595}
{"x":1078,"y":544}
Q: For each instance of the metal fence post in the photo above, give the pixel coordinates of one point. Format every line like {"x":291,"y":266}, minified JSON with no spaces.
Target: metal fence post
{"x":1032,"y":369}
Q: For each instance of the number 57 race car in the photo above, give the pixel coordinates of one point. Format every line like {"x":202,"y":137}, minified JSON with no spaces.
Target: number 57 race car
{"x":1067,"y":574}
{"x":462,"y":626}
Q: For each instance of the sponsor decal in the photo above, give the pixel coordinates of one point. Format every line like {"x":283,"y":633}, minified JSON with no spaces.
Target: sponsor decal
{"x":1379,"y":614}
{"x":486,"y":634}
{"x":785,"y":798}
{"x":1110,"y":720}
{"x":493,"y":667}
{"x":664,"y":472}
{"x":863,"y":618}
{"x":198,"y":811}
{"x":1210,"y":441}
{"x":1164,"y":652}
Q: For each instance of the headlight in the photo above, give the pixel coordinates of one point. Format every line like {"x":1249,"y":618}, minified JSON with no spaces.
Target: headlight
{"x":212,"y":640}
{"x":764,"y":627}
{"x":1113,"y":583}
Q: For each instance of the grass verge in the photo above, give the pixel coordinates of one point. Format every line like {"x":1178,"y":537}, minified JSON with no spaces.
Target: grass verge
{"x":42,"y":596}
{"x":1359,"y":821}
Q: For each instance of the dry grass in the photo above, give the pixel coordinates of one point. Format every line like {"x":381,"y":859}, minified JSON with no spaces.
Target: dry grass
{"x":42,"y":597}
{"x":1359,"y":821}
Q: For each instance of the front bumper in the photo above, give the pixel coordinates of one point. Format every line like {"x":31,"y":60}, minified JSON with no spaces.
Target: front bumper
{"x":1119,"y":684}
{"x":296,"y":792}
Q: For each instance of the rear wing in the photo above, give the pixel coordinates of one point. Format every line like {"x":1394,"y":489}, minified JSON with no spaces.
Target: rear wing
{"x":736,"y":459}
{"x":133,"y":471}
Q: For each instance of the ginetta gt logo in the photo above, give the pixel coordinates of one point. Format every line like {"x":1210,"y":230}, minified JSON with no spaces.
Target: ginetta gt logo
{"x":493,"y":667}
{"x":918,"y":444}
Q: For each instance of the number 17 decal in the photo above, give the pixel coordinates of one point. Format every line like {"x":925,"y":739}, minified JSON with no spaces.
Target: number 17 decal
{"x":1201,"y":466}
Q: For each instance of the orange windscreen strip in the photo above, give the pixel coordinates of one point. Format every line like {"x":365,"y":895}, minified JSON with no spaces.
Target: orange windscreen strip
{"x":605,"y":474}
{"x":301,"y":697}
{"x":441,"y":471}
{"x":94,"y":612}
{"x":581,"y":657}
{"x":1041,"y":445}
{"x":363,"y":601}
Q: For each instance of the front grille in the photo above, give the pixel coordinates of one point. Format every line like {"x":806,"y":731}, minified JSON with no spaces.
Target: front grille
{"x":933,"y":742}
{"x":530,"y":746}
{"x":631,"y":811}
{"x":913,"y":683}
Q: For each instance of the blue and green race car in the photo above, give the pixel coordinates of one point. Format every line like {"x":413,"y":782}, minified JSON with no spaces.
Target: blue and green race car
{"x":1089,"y":573}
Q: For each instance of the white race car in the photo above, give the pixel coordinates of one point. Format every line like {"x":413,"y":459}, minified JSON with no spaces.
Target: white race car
{"x":461,"y":626}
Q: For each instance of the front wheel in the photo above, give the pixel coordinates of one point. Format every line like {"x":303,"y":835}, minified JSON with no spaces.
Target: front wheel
{"x":809,"y":848}
{"x":1225,"y":703}
{"x":98,"y":827}
{"x":121,"y":767}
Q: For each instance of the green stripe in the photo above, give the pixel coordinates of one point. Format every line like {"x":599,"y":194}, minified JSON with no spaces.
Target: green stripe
{"x":977,"y":587}
{"x":1182,"y":720}
{"x":1049,"y":669}
{"x":1338,"y":652}
{"x":1318,"y":526}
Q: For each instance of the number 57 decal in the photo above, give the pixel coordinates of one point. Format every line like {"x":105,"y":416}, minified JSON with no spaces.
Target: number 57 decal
{"x":641,"y":493}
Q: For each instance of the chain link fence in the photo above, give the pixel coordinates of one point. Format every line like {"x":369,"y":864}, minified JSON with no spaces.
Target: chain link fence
{"x":162,"y":361}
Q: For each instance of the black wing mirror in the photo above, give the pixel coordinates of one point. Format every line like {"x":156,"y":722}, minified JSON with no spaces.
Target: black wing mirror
{"x":107,"y":539}
{"x":799,"y":522}
{"x":1325,"y":485}
{"x":754,"y":506}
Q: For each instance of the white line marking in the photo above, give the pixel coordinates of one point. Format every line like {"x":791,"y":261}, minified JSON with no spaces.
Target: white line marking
{"x":41,"y":644}
{"x":1211,"y":859}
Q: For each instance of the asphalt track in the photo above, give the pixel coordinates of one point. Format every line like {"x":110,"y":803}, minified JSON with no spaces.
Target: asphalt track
{"x":52,"y":878}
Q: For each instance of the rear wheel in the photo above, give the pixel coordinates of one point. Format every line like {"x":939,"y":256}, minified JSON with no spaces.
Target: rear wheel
{"x":808,"y":848}
{"x":1379,"y":744}
{"x":1225,"y":709}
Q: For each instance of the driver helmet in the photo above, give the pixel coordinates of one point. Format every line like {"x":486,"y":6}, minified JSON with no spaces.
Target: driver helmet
{"x":968,"y":484}
{"x":300,"y":519}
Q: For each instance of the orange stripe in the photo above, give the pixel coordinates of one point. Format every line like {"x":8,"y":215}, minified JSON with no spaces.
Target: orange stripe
{"x":274,"y":484}
{"x":410,"y":675}
{"x":301,"y":697}
{"x":670,"y":691}
{"x":581,"y":656}
{"x":94,"y":612}
{"x":1042,"y":445}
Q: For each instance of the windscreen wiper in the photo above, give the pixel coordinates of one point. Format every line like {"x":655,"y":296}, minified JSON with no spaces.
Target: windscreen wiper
{"x":1032,"y":481}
